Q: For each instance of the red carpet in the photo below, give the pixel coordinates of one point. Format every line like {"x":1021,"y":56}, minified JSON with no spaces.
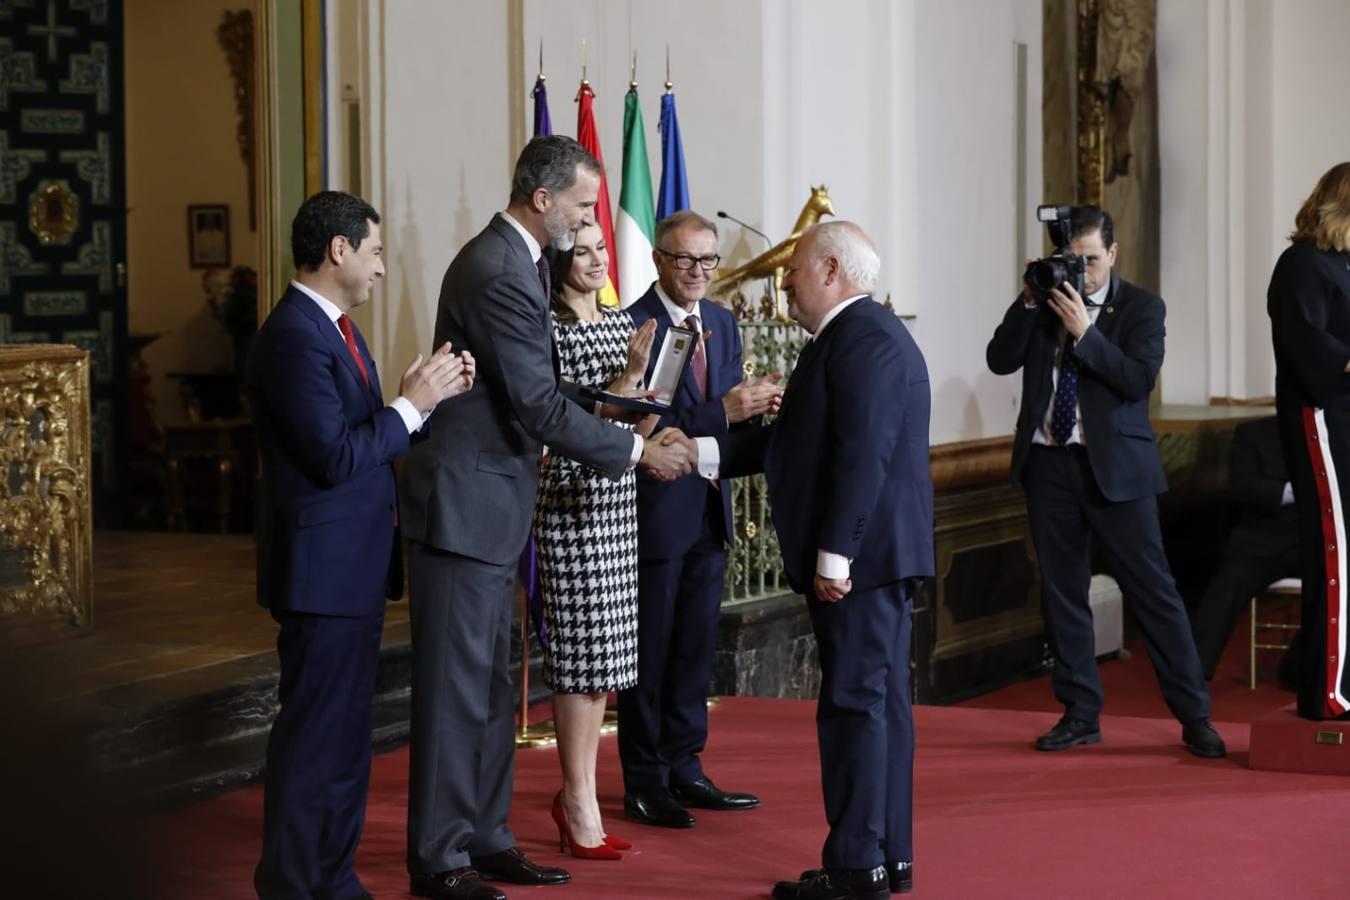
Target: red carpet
{"x":1133,"y":817}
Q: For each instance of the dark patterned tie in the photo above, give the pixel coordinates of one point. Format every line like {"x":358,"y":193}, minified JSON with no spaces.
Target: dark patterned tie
{"x":700,"y":361}
{"x":545,"y":277}
{"x":1065,"y":413}
{"x":345,"y":326}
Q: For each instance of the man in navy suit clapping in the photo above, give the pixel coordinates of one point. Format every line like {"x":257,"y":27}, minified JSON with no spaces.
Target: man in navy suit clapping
{"x":328,"y":543}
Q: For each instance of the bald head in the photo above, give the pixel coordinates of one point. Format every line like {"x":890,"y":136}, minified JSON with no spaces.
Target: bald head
{"x":832,"y":262}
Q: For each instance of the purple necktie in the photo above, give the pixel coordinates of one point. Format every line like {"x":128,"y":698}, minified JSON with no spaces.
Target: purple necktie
{"x":700,"y":361}
{"x":545,"y":278}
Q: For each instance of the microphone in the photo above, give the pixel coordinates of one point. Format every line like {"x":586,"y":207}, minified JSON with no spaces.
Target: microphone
{"x":723,"y":215}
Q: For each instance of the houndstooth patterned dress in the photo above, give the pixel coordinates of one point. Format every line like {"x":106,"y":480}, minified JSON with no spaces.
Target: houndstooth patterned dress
{"x":586,"y":529}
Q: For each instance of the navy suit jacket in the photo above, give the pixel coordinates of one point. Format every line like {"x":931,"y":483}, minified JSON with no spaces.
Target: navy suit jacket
{"x":1121,"y":355}
{"x":847,"y":458}
{"x":327,"y":540}
{"x":670,"y":513}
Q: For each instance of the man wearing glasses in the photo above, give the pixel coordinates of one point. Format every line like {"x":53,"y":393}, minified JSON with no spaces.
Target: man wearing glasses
{"x":684,"y":527}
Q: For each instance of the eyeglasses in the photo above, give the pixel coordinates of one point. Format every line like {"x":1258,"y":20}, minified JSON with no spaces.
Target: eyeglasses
{"x":685,"y":262}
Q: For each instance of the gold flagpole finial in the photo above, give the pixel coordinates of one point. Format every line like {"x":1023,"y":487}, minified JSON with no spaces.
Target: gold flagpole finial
{"x":669,"y":84}
{"x":583,"y":62}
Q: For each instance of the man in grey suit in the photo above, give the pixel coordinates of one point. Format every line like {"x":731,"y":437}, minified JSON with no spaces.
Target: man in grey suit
{"x":467,"y":499}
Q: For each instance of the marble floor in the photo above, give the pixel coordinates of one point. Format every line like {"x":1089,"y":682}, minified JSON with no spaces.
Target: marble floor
{"x":165,"y":605}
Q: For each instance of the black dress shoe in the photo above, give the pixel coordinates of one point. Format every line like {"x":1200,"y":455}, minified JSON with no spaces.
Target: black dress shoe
{"x":513,"y":866}
{"x":1069,"y":733}
{"x":457,"y":884}
{"x":703,"y":794}
{"x":835,"y":884}
{"x":901,"y":877}
{"x":1201,"y":739}
{"x":655,"y":806}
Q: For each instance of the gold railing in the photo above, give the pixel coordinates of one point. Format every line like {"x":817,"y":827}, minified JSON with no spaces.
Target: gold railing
{"x":754,"y":564}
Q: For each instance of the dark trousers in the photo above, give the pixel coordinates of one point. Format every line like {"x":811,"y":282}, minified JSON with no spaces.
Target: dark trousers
{"x":462,"y":754}
{"x":318,"y":756}
{"x":663,"y":721}
{"x":1066,"y":510}
{"x":1231,"y":588}
{"x":865,"y":727}
{"x":1316,"y":445}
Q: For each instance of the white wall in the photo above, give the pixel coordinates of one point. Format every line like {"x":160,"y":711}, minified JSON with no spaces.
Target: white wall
{"x":907,"y":110}
{"x":1248,"y":91}
{"x":968,"y":268}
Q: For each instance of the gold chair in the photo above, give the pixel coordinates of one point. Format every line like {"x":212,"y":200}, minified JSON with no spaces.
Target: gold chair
{"x":1282,"y":590}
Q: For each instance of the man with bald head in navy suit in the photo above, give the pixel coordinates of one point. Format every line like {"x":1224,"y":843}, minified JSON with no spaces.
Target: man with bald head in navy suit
{"x":846,"y":463}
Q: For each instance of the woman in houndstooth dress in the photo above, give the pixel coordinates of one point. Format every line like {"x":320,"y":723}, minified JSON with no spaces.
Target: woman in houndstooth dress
{"x":585,"y":527}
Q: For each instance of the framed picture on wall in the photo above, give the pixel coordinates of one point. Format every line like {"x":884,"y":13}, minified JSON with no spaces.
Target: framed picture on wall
{"x":208,"y":235}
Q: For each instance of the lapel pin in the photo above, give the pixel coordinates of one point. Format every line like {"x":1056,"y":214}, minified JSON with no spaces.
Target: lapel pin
{"x":1110,"y":309}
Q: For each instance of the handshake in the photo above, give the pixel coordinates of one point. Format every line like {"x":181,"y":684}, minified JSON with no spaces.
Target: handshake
{"x":668,"y":454}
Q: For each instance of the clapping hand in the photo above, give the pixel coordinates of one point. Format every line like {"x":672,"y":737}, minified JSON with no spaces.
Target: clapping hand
{"x":442,"y":376}
{"x":753,"y":398}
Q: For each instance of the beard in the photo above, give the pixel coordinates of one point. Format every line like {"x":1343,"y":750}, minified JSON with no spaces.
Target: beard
{"x":561,"y":235}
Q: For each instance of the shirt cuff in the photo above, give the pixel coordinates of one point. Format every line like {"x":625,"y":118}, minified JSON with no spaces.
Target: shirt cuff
{"x":408,"y":413}
{"x":636,"y":456}
{"x":831,"y":565}
{"x":1287,"y":498}
{"x":709,"y":457}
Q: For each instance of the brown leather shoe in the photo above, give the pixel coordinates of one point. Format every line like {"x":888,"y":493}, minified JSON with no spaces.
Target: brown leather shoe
{"x":511,"y":865}
{"x":457,"y":884}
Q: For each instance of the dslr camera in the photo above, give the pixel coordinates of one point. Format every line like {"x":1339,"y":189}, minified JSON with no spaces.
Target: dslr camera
{"x":1042,"y":275}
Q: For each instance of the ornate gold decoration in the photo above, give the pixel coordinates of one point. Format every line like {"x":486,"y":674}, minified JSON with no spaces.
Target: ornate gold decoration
{"x":751,"y":529}
{"x":53,"y":212}
{"x":771,"y":262}
{"x":45,"y":494}
{"x":235,"y":34}
{"x":1125,"y":39}
{"x":1091,"y":109}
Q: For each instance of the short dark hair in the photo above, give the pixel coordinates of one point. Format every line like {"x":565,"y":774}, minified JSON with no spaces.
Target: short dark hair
{"x":323,"y":217}
{"x":549,"y":163}
{"x":1087,"y":219}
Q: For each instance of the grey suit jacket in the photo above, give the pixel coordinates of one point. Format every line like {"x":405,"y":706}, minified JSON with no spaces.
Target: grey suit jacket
{"x":469,"y":481}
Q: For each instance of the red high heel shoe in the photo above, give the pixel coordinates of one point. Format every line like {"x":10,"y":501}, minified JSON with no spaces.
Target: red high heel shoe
{"x":603,"y":850}
{"x":618,"y":843}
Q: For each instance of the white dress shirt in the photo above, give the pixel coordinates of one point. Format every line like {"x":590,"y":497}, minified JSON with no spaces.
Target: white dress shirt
{"x":1042,"y":434}
{"x":402,"y":405}
{"x":828,"y":565}
{"x":537,"y":251}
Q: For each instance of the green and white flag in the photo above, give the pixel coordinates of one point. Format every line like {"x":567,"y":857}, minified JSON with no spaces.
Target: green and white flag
{"x":636,"y":225}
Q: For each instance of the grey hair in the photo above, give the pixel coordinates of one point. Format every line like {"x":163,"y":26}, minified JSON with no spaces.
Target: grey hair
{"x":853,"y":249}
{"x":549,"y":163}
{"x":677,"y":219}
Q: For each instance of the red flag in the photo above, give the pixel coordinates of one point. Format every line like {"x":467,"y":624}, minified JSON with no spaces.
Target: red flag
{"x":589,"y":138}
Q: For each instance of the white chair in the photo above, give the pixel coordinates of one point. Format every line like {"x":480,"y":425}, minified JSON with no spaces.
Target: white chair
{"x":1283,"y":589}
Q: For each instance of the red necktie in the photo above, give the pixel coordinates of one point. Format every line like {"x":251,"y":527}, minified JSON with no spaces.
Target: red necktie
{"x":700,"y":361}
{"x":345,"y":326}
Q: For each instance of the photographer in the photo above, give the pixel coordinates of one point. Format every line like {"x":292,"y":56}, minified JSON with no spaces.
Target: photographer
{"x":1085,"y":453}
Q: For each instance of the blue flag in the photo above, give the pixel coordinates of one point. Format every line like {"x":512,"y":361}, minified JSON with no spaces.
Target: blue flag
{"x":527,"y":568}
{"x":543,"y":125}
{"x":674,"y":193}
